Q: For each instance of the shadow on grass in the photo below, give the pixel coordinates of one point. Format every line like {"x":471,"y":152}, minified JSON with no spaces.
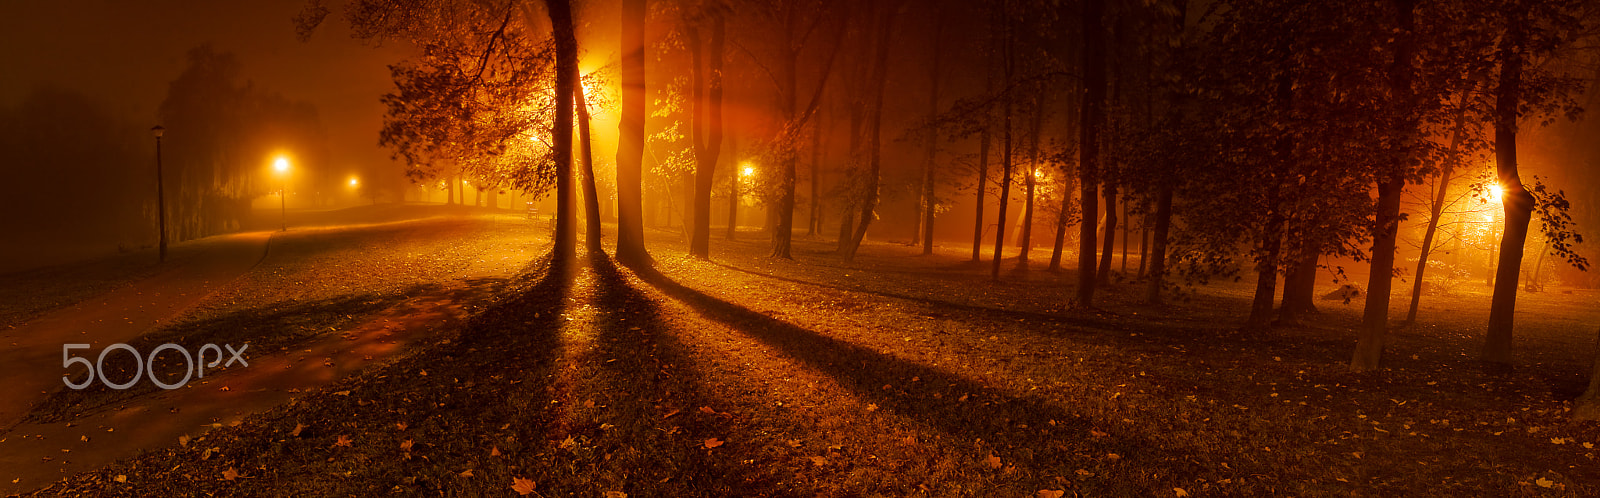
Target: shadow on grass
{"x":637,"y":373}
{"x":1040,"y":436}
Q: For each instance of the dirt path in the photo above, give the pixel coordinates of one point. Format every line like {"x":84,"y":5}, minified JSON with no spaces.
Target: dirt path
{"x":442,"y":268}
{"x":31,"y":354}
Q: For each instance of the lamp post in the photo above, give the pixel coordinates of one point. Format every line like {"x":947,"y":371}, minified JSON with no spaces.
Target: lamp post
{"x":161,"y":197}
{"x":282,"y":165}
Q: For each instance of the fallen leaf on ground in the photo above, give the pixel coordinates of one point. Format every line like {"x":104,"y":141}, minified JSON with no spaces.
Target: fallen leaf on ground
{"x":495,"y":450}
{"x":568,"y":443}
{"x":1179,"y":492}
{"x":707,"y":410}
{"x":1050,"y":493}
{"x":993,"y":462}
{"x":295,"y":432}
{"x":616,"y":494}
{"x":1544,"y":483}
{"x":819,"y":461}
{"x":122,"y":478}
{"x":399,"y":426}
{"x":872,"y":407}
{"x":669,"y":414}
{"x":466,"y":473}
{"x":405,"y":445}
{"x":183,"y":440}
{"x":713,"y":443}
{"x":343,"y":441}
{"x":794,"y":443}
{"x":230,"y":474}
{"x":521,"y":486}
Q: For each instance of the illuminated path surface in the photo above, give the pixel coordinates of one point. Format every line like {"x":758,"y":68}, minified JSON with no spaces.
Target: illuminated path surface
{"x":37,"y":454}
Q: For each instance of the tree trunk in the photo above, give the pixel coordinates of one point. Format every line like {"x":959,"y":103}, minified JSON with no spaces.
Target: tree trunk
{"x":566,"y":43}
{"x":708,"y":105}
{"x":591,"y":195}
{"x":1438,"y":206}
{"x":1375,"y":319}
{"x":1031,"y":180}
{"x":1588,"y":405}
{"x":1270,"y":244}
{"x":1158,"y":243}
{"x":814,"y":220}
{"x":736,"y":173}
{"x":983,"y":186}
{"x":1008,"y":60}
{"x":1094,"y":95}
{"x":1299,"y":285}
{"x":1109,"y":244}
{"x":1126,"y":221}
{"x":1144,"y":239}
{"x":630,"y":139}
{"x":1518,"y":202}
{"x":928,"y":201}
{"x":880,"y":76}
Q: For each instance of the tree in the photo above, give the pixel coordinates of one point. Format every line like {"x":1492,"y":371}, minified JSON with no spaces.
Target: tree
{"x":707,"y":98}
{"x":1093,"y":118}
{"x":882,"y":31}
{"x":630,"y":141}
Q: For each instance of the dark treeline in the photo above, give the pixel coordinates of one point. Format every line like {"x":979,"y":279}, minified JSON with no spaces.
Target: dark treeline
{"x":1250,"y":139}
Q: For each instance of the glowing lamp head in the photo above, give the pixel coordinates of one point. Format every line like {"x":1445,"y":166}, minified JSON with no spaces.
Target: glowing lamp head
{"x":354,"y":182}
{"x":281,"y":164}
{"x":749,"y":171}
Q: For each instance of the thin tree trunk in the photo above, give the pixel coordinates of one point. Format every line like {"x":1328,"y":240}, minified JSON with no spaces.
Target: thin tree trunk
{"x":737,"y":172}
{"x":1445,"y":175}
{"x":928,"y":201}
{"x":1109,"y":244}
{"x":983,"y":186}
{"x":1125,"y":222}
{"x":880,"y":75}
{"x":630,"y":139}
{"x":1144,"y":239}
{"x":814,"y":220}
{"x":1031,"y":180}
{"x":1008,"y":60}
{"x":1094,"y":95}
{"x":1270,"y":244}
{"x":591,"y":195}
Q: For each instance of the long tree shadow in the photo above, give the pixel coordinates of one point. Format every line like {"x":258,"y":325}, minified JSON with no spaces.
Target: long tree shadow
{"x":643,"y":374}
{"x":1042,"y":435}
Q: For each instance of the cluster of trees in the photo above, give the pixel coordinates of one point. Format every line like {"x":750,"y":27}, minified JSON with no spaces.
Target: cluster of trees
{"x":1261,"y":134}
{"x":223,"y":134}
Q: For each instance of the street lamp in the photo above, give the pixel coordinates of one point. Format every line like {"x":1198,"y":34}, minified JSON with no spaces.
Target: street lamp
{"x":161,"y":197}
{"x":282,"y":165}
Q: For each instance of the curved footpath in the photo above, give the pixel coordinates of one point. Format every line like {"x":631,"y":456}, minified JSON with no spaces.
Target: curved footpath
{"x":31,"y":353}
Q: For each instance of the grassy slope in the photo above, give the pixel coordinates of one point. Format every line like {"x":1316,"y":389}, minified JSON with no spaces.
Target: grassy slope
{"x":897,"y":375}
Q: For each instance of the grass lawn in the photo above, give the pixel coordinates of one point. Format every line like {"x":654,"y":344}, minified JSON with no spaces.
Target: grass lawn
{"x":900,"y":375}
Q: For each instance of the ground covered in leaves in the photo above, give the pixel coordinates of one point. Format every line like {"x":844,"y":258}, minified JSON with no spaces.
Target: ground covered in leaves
{"x":898,"y":375}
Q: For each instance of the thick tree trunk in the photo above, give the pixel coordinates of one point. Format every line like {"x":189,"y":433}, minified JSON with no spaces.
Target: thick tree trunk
{"x":1126,"y":221}
{"x":1144,"y":239}
{"x":1094,"y":95}
{"x":708,"y":105}
{"x":567,"y":86}
{"x":1299,"y":286}
{"x":1269,"y":246}
{"x":1588,"y":405}
{"x":1518,"y":202}
{"x":630,"y":139}
{"x":1158,"y":244}
{"x":1375,"y":319}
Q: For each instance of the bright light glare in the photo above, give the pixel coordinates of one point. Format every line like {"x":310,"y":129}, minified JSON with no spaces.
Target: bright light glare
{"x":749,"y":171}
{"x":1495,"y":191}
{"x":281,"y":164}
{"x":354,"y":182}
